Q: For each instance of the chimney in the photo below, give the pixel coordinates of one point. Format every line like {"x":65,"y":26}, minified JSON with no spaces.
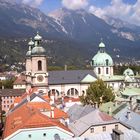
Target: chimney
{"x":52,"y":96}
{"x":28,"y":97}
{"x":117,"y":135}
{"x":66,"y":67}
{"x":52,"y":111}
{"x":109,"y":110}
{"x":115,"y":104}
{"x":128,"y":115}
{"x":70,"y":100}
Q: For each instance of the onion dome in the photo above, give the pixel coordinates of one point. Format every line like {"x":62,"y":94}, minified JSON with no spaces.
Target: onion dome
{"x":31,"y":43}
{"x":28,"y":54}
{"x":128,"y":72}
{"x":38,"y":49}
{"x":102,"y":58}
{"x":38,"y":37}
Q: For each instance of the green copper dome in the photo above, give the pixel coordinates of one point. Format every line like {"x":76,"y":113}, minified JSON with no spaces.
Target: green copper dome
{"x":102,"y":58}
{"x":128,"y":72}
{"x":101,"y":45}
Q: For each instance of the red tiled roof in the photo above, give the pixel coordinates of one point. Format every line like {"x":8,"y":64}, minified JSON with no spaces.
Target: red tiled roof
{"x":28,"y":117}
{"x":67,"y":99}
{"x":21,"y":80}
{"x":60,"y":114}
{"x":17,"y":100}
{"x":46,"y":97}
{"x":30,"y":92}
{"x":40,"y":105}
{"x":105,"y":117}
{"x":44,"y":105}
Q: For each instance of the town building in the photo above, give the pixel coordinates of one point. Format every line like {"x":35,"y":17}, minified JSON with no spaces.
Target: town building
{"x":8,"y":97}
{"x":72,"y":83}
{"x":34,"y":116}
{"x":88,"y":121}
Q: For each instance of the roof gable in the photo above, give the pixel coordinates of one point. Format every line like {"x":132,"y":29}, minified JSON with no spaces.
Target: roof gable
{"x":88,"y":78}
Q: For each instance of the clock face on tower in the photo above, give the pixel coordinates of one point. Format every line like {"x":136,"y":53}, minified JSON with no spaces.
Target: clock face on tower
{"x":40,"y":78}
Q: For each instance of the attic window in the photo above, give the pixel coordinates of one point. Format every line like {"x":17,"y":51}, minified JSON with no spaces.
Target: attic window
{"x":57,"y":137}
{"x":116,"y":126}
{"x":104,"y":128}
{"x":91,"y":130}
{"x":44,"y":134}
{"x":29,"y":135}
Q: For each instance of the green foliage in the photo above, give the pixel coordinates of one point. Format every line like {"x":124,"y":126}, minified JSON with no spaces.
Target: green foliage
{"x":8,"y":84}
{"x":98,"y":92}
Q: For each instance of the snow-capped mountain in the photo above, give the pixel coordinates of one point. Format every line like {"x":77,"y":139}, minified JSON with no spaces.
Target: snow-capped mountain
{"x":22,"y":21}
{"x":123,"y":28}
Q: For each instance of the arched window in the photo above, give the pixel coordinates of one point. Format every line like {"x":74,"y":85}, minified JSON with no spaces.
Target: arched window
{"x":39,"y":65}
{"x":72,"y":92}
{"x":54,"y":92}
{"x":99,"y":70}
{"x":107,"y":71}
{"x":107,"y":62}
{"x":57,"y":137}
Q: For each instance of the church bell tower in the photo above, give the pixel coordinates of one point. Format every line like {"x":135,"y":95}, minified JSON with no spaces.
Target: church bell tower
{"x":36,"y":66}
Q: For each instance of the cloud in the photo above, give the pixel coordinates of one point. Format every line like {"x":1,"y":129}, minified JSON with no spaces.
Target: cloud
{"x":119,"y":9}
{"x":75,"y":4}
{"x":34,"y":3}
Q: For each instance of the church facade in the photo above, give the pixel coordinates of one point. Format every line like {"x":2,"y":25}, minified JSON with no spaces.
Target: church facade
{"x":71,"y":83}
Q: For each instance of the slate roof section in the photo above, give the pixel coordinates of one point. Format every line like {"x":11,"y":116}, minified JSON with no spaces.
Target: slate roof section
{"x":93,"y":118}
{"x":11,"y":92}
{"x":62,"y":77}
{"x":77,"y":111}
{"x":69,"y":77}
{"x":133,"y":121}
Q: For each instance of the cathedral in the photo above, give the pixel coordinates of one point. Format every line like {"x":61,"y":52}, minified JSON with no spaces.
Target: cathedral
{"x":71,"y":83}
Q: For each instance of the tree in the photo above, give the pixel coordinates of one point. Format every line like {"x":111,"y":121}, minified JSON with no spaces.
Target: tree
{"x":98,"y":92}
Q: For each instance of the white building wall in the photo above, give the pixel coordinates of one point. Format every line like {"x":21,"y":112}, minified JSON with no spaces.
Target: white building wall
{"x":109,"y":127}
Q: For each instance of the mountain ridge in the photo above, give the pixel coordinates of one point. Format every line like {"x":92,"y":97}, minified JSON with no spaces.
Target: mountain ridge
{"x":70,"y":30}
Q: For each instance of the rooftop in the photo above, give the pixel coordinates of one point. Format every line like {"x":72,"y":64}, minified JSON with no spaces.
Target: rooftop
{"x":33,"y":119}
{"x":11,"y":92}
{"x":91,"y":119}
{"x":133,"y":120}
